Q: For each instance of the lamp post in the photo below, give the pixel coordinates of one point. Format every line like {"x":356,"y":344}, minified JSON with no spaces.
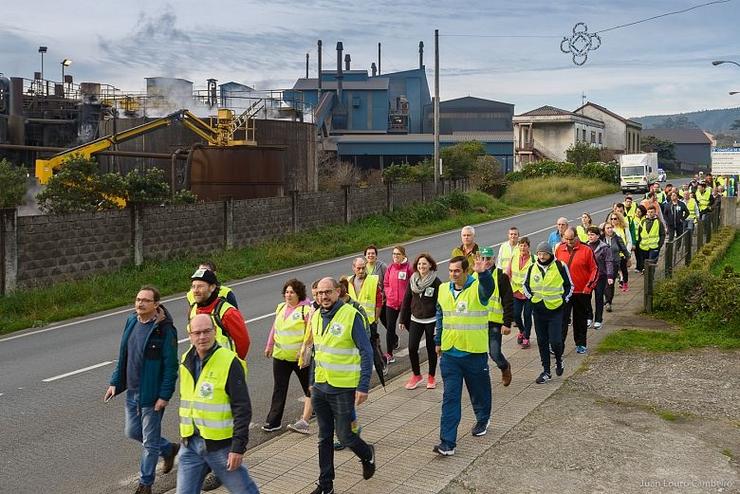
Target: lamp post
{"x":720,"y":62}
{"x":42,"y":50}
{"x":732,"y":93}
{"x":65,"y":63}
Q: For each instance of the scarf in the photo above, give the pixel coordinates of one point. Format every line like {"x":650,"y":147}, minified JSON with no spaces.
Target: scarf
{"x":419,"y":284}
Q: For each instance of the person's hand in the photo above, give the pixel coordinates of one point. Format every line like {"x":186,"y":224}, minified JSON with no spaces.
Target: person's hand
{"x":160,"y":405}
{"x":268,"y":352}
{"x":505,"y":330}
{"x":438,"y":349}
{"x":233,"y":461}
{"x":109,"y":393}
{"x":610,"y":281}
{"x":360,"y":397}
{"x":482,"y":264}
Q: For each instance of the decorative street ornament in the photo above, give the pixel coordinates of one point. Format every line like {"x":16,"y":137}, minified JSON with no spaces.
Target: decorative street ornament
{"x":580,"y":43}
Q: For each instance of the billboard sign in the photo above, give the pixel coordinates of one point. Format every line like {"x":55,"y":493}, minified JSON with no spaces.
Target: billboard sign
{"x":725,"y":161}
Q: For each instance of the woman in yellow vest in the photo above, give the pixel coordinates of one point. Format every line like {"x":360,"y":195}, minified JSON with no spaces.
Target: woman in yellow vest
{"x":283,"y":345}
{"x":582,"y":229}
{"x":517,"y":270}
{"x":621,"y":228}
{"x":639,"y":253}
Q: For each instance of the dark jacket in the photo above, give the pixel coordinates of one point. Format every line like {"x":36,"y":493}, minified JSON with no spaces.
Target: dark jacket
{"x":241,"y":406}
{"x":420,"y":305}
{"x":507,"y":296}
{"x":675,"y":214}
{"x":604,"y":259}
{"x":159,"y":372}
{"x":616,"y":243}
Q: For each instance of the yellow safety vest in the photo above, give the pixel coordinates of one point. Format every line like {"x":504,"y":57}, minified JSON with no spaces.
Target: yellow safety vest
{"x":222,"y":337}
{"x":691,"y":205}
{"x":582,"y":234}
{"x":518,"y":275}
{"x":649,"y":238}
{"x":548,"y":288}
{"x":337,"y":357}
{"x":465,"y":320}
{"x":703,"y":198}
{"x":223,"y":292}
{"x":205,"y":404}
{"x":630,"y":212}
{"x":288,"y":333}
{"x":495,"y":307}
{"x":367,"y":295}
{"x":506,"y":253}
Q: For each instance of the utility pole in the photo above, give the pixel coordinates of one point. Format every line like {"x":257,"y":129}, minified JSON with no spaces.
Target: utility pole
{"x":436,"y":112}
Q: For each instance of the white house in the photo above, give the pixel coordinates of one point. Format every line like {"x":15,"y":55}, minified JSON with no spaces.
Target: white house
{"x":622,"y":134}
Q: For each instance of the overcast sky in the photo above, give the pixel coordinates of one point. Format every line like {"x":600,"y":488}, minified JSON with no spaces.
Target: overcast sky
{"x":661,"y":66}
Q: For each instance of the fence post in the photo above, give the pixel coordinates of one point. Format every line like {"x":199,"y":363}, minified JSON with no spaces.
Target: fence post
{"x":699,"y":233}
{"x":389,"y":197}
{"x":669,"y":258}
{"x":137,"y":234}
{"x":649,"y":282}
{"x":8,"y":250}
{"x":294,"y":210}
{"x":229,"y":223}
{"x":423,"y":199}
{"x":709,"y":226}
{"x":346,"y":204}
{"x":688,"y":242}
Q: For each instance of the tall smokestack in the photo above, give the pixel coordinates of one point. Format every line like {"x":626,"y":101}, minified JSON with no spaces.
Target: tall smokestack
{"x":374,"y":68}
{"x":319,"y":50}
{"x":378,"y":58}
{"x":307,"y":56}
{"x":340,"y":75}
{"x":421,"y":54}
{"x":347,"y":60}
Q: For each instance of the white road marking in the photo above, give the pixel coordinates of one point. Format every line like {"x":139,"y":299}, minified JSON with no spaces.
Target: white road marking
{"x":247,"y":322}
{"x":2,"y":394}
{"x":78,"y":371}
{"x":291,"y":270}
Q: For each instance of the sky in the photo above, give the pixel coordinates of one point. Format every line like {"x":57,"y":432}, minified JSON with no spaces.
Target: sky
{"x":502,"y":50}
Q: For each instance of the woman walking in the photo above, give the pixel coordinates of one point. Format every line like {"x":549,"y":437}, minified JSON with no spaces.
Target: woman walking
{"x":582,"y":229}
{"x":621,"y":228}
{"x":395,"y":283}
{"x":517,"y":271}
{"x":620,"y":255}
{"x":419,"y":315}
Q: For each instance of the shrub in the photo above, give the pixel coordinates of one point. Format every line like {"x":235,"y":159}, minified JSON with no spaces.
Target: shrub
{"x":488,"y":177}
{"x":14,"y":182}
{"x":147,"y":187}
{"x":581,"y":153}
{"x":608,"y":172}
{"x":184,"y":197}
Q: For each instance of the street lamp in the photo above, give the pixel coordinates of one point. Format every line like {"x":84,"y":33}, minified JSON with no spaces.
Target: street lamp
{"x":65,"y":63}
{"x":732,"y":93}
{"x":42,"y":50}
{"x":720,"y":62}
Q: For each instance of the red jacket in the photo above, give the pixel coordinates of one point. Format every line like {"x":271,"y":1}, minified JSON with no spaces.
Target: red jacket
{"x":395,"y":283}
{"x":236,"y":326}
{"x":582,"y":266}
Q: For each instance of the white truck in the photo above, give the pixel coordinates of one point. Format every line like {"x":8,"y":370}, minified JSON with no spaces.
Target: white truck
{"x":637,"y":171}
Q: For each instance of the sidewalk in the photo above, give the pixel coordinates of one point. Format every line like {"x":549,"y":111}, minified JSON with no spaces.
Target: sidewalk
{"x":404,"y":425}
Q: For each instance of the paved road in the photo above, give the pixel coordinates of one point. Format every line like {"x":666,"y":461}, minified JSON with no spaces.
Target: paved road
{"x":60,"y":437}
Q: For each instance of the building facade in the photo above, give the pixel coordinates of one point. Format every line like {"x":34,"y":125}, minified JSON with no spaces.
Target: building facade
{"x":622,"y":134}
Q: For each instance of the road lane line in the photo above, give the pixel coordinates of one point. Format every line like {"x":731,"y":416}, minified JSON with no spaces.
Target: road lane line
{"x":293,"y":270}
{"x":259,"y":318}
{"x":78,"y":371}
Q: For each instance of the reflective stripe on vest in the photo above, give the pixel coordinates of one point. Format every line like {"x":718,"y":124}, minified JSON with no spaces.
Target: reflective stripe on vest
{"x":518,"y":274}
{"x":367,"y":296}
{"x":582,"y":234}
{"x":337,"y":357}
{"x":548,"y":288}
{"x":691,"y":205}
{"x":205,"y":404}
{"x":495,"y":308}
{"x":703,"y":198}
{"x":464,"y":320}
{"x":650,"y":239}
{"x":288,"y":333}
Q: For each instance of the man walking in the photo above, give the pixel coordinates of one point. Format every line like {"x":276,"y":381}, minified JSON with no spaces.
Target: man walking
{"x":500,"y":315}
{"x":468,"y":249}
{"x":344,"y":361}
{"x":147,"y":370}
{"x":224,"y":291}
{"x":215,"y":412}
{"x":508,"y":249}
{"x":675,"y":213}
{"x":556,"y":237}
{"x":652,"y":236}
{"x":583,"y":272}
{"x":365,"y":289}
{"x":461,"y":341}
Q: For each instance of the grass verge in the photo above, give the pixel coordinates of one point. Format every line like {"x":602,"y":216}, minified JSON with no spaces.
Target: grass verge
{"x":731,"y":258}
{"x":38,"y":306}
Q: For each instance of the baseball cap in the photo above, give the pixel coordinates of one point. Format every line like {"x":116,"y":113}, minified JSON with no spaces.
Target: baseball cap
{"x":486,"y":252}
{"x":205,"y":275}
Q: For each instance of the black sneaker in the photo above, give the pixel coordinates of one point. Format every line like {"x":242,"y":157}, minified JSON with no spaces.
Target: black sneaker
{"x":211,"y":482}
{"x":322,"y":490}
{"x":480,"y":429}
{"x":443,"y":450}
{"x":543,"y":378}
{"x":368,"y":466}
{"x":271,"y":428}
{"x":559,"y":369}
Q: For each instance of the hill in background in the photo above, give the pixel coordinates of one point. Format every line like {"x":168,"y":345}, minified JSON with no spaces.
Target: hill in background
{"x":713,"y":121}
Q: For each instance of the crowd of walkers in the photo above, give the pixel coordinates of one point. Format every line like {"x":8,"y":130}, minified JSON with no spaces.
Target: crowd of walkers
{"x":332,"y":340}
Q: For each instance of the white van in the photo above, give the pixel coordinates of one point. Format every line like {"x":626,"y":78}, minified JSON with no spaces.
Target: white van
{"x":637,"y":171}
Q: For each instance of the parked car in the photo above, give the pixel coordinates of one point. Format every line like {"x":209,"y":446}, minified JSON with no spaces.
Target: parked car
{"x":661,"y":175}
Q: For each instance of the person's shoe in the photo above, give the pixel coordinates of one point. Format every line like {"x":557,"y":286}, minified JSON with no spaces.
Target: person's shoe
{"x":559,"y":368}
{"x":597,"y":325}
{"x":211,"y":482}
{"x":143,"y":489}
{"x":443,"y":450}
{"x":322,"y":490}
{"x":506,"y":375}
{"x":398,"y":344}
{"x":301,"y":427}
{"x":608,"y":307}
{"x":169,"y":460}
{"x":552,"y":351}
{"x":543,"y":378}
{"x":580,"y":349}
{"x":389,"y":358}
{"x":525,"y":343}
{"x":338,"y":446}
{"x":589,"y":322}
{"x":413,"y":382}
{"x":431,"y":383}
{"x":271,"y":428}
{"x":519,"y":338}
{"x":625,"y":287}
{"x":480,"y":428}
{"x":368,"y":466}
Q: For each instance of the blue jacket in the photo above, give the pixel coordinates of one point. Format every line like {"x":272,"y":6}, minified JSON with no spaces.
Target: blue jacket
{"x":159,"y":372}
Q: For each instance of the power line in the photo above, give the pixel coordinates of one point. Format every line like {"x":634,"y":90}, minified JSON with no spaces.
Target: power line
{"x":664,"y":15}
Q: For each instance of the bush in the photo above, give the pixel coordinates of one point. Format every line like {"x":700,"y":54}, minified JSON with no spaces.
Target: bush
{"x":147,"y":187}
{"x":488,"y":177}
{"x":608,"y":172}
{"x":184,"y":197}
{"x":581,"y":153}
{"x":14,"y":182}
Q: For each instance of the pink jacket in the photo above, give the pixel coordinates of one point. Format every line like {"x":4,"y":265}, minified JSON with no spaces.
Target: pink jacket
{"x":395,"y":283}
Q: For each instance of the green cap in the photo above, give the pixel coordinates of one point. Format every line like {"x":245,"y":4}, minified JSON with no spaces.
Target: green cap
{"x":486,"y":252}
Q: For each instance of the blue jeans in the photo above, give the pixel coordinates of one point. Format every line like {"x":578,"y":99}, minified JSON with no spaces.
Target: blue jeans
{"x":195,"y":460}
{"x":523,"y":316}
{"x":494,"y":345}
{"x":473,"y":369}
{"x":548,"y":324}
{"x":144,"y":425}
{"x":335,"y":411}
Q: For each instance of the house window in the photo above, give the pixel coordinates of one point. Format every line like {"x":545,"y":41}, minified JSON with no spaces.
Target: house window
{"x":600,"y":141}
{"x":584,"y":135}
{"x":593,"y":137}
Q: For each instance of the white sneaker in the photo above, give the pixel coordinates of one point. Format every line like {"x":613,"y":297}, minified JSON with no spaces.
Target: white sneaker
{"x":589,"y":322}
{"x":301,"y":427}
{"x":597,"y":325}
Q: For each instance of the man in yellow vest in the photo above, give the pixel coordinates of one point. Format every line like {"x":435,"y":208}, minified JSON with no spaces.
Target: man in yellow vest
{"x":652,"y":235}
{"x":501,"y":313}
{"x":343,"y":364}
{"x":704,"y":198}
{"x":461,"y":341}
{"x":365,"y":289}
{"x":508,"y":249}
{"x":215,"y":411}
{"x":629,"y":206}
{"x":224,"y":291}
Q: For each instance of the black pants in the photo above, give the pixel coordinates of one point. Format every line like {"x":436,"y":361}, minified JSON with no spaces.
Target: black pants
{"x":579,"y":304}
{"x":640,"y":259}
{"x":609,"y":291}
{"x":391,"y":338}
{"x":416,"y":331}
{"x":601,"y":285}
{"x":281,"y":371}
{"x":623,"y":268}
{"x":547,"y":326}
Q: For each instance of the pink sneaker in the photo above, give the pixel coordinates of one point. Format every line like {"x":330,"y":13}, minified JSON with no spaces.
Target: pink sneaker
{"x":431,"y":383}
{"x":625,"y":287}
{"x":414,"y":381}
{"x":525,"y":343}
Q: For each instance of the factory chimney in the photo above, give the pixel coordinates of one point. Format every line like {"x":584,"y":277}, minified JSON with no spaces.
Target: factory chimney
{"x":307,"y":56}
{"x":340,"y":75}
{"x":378,"y":58}
{"x":374,"y":69}
{"x":421,"y":54}
{"x":319,"y":50}
{"x":347,"y":60}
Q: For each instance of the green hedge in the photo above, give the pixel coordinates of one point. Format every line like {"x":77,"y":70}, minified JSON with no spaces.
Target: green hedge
{"x":608,"y":172}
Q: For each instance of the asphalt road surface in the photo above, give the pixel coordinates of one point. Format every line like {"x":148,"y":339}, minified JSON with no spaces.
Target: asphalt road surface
{"x":59,"y":436}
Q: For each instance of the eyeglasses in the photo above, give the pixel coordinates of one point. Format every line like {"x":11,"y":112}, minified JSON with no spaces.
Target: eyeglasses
{"x":200,"y":333}
{"x":144,"y":300}
{"x":324,"y":292}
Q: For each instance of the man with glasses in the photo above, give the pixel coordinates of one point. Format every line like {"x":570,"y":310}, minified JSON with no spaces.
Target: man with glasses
{"x":557,"y":236}
{"x":147,"y":370}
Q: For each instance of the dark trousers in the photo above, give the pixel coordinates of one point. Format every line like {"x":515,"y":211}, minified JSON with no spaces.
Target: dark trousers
{"x":579,"y":305}
{"x":391,"y":338}
{"x":416,"y":331}
{"x":281,"y":371}
{"x":623,"y":268}
{"x":601,"y":285}
{"x":523,"y":316}
{"x":494,"y":345}
{"x":609,"y":290}
{"x":548,"y":326}
{"x":639,"y":259}
{"x":334,"y":411}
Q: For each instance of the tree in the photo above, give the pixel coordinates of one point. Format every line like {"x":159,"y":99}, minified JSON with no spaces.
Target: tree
{"x":681,"y":122}
{"x":459,"y":160}
{"x":664,"y":148}
{"x":146,"y":187}
{"x":581,"y":153}
{"x":14,"y":182}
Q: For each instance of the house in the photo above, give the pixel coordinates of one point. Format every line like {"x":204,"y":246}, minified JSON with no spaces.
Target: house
{"x":692,"y":147}
{"x":621,"y":134}
{"x":547,"y":132}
